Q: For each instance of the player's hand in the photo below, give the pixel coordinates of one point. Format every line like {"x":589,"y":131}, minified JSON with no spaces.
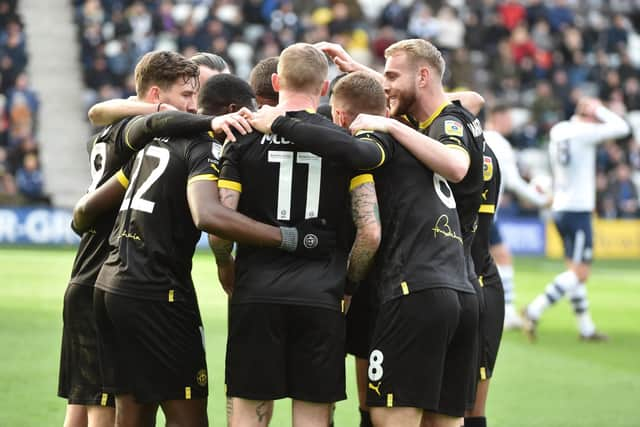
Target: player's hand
{"x":369,"y":122}
{"x":228,"y":122}
{"x":310,"y":239}
{"x":227,"y":276}
{"x":167,"y":107}
{"x":339,"y":56}
{"x":264,"y":118}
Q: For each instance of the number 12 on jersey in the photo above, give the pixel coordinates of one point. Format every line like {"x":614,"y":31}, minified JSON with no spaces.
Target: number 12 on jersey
{"x":287,"y":159}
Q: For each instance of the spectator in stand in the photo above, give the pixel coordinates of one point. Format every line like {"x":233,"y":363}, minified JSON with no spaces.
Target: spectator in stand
{"x":29,"y":180}
{"x":624,"y":192}
{"x":560,"y":15}
{"x":7,"y":182}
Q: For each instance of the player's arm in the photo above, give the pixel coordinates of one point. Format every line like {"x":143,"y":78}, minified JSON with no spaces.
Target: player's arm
{"x":108,"y":112}
{"x":344,"y":61}
{"x":449,"y":160}
{"x":222,"y":248}
{"x":612,"y":126}
{"x":357,"y":153}
{"x":470,"y":100}
{"x":366,"y":217}
{"x":106,"y":197}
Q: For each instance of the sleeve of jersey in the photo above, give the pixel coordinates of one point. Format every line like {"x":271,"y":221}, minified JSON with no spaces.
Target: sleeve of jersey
{"x":123,"y":174}
{"x":142,"y":129}
{"x":201,"y":163}
{"x":450,"y":131}
{"x":357,"y":153}
{"x":229,"y":167}
{"x":359,"y":180}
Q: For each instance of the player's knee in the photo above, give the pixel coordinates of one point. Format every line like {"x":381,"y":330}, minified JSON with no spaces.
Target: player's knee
{"x":582,"y":272}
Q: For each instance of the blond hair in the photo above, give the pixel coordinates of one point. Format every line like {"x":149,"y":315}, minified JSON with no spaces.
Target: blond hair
{"x":360,"y":92}
{"x":419,"y":51}
{"x":302,"y":67}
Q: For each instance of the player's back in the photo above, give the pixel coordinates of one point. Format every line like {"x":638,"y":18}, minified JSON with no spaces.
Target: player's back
{"x":154,"y":237}
{"x":422,"y":244}
{"x":573,"y":164}
{"x":283,"y":186}
{"x":108,"y":152}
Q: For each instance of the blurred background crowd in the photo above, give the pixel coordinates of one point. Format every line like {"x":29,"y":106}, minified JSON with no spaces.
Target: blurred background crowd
{"x":539,"y":56}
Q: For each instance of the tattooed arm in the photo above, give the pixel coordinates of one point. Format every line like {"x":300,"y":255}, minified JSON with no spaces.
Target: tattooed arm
{"x":364,"y":211}
{"x":222,"y":248}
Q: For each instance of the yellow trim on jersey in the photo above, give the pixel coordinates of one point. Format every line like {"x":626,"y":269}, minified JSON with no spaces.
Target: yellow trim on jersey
{"x":187,"y":393}
{"x":122,"y":179}
{"x":126,"y":136}
{"x":433,"y":116}
{"x":359,"y":180}
{"x":215,"y":168}
{"x":171,"y":295}
{"x":483,"y":373}
{"x":383,"y":156}
{"x":487,"y":208}
{"x":459,"y":147}
{"x":103,"y":399}
{"x":481,"y":281}
{"x":310,"y":110}
{"x":342,"y":306}
{"x":390,"y":400}
{"x":203,"y":177}
{"x":405,"y":288}
{"x":230,"y":185}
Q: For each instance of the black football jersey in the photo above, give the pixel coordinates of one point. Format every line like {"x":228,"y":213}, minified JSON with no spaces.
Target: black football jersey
{"x":422,"y":245}
{"x":454,"y":126}
{"x":108,"y":152}
{"x":482,"y":259}
{"x":282,"y":186}
{"x":154,"y":236}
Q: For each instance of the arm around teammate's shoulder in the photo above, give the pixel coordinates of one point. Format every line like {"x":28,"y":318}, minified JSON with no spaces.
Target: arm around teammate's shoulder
{"x":92,"y":205}
{"x":452,"y":164}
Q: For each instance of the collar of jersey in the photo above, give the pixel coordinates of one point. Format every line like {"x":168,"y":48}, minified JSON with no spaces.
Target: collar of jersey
{"x":433,"y":116}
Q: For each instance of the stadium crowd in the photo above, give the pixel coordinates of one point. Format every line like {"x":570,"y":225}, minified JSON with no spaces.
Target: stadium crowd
{"x":537,"y":55}
{"x":21,"y":181}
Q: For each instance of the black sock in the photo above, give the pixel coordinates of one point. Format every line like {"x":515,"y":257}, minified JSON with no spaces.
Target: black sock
{"x":475,"y":422}
{"x":365,"y":418}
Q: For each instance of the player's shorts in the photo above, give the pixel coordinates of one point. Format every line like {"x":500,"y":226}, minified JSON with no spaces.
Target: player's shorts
{"x":495,"y":237}
{"x":79,"y":378}
{"x":151,"y":349}
{"x":576,"y":232}
{"x":491,"y":324}
{"x":359,"y":321}
{"x":424,"y":352}
{"x":279,"y":350}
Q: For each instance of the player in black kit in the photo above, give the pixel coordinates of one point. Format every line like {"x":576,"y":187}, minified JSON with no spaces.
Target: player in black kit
{"x":421,"y":353}
{"x":147,"y":357}
{"x":492,"y":313}
{"x":79,"y":380}
{"x":286,"y":326}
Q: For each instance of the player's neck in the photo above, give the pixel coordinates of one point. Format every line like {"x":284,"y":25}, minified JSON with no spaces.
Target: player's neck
{"x":295,"y":101}
{"x":429,"y":103}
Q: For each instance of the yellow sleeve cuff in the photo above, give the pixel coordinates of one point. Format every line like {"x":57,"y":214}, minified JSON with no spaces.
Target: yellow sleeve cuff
{"x":230,"y":185}
{"x":459,"y":147}
{"x":359,"y":180}
{"x":204,"y":177}
{"x":487,"y":208}
{"x":122,"y":179}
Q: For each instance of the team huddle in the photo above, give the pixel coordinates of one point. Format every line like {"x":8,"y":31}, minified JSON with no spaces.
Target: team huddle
{"x":363,"y":230}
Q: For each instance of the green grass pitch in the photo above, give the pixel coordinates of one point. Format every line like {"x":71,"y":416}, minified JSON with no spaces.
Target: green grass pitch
{"x":558,"y":381}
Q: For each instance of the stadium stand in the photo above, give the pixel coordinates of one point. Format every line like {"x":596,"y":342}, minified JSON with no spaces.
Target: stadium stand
{"x":538,"y":55}
{"x":21,"y":180}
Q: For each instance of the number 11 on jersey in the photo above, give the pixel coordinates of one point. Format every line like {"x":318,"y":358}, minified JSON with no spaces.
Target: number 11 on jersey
{"x":285,"y":181}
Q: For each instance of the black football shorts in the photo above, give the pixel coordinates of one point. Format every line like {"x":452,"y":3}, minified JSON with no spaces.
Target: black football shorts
{"x":424,"y":352}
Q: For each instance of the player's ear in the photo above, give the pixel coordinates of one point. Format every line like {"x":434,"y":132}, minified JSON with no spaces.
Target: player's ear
{"x":275,"y":82}
{"x":154,"y":94}
{"x":325,"y":88}
{"x":232,"y":108}
{"x":424,"y":74}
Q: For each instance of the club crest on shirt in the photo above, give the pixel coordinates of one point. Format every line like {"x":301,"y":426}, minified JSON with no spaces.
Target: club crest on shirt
{"x":453,"y":128}
{"x":487,"y":168}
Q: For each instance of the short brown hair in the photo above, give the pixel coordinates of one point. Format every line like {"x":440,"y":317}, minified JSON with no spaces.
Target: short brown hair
{"x":419,"y":50}
{"x":302,"y":67}
{"x":162,"y":68}
{"x":260,"y":78}
{"x":360,"y":92}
